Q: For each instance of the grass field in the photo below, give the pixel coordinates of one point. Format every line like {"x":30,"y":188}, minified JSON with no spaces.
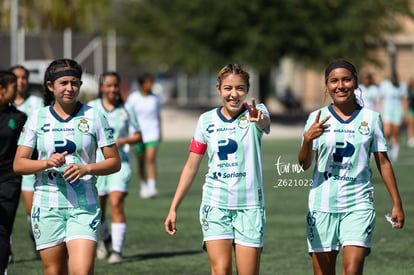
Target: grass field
{"x":149,"y":250}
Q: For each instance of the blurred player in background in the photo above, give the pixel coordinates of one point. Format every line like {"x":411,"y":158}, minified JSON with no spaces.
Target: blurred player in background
{"x":115,"y":186}
{"x":147,"y":107}
{"x":27,"y":103}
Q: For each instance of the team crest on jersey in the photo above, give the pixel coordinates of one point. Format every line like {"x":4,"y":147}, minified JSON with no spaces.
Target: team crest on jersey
{"x":243,"y":122}
{"x":364,"y":128}
{"x":36,"y":231}
{"x":83,"y":126}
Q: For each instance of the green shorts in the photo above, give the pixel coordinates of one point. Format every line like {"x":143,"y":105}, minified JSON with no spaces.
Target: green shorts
{"x":28,"y":182}
{"x":244,"y":226}
{"x":52,"y":226}
{"x":410,"y":113}
{"x":140,"y":147}
{"x":118,"y":181}
{"x":329,"y":231}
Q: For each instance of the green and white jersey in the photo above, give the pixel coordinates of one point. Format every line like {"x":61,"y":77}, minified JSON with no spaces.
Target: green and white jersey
{"x":392,"y":97}
{"x":30,"y":104}
{"x":342,"y":174}
{"x":80,"y":135}
{"x":234,"y":178}
{"x":123,"y":124}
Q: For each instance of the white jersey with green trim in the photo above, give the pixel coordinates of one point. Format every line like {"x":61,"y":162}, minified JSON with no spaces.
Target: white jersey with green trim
{"x":342,"y":174}
{"x":30,"y":104}
{"x":80,"y":135}
{"x":123,"y":124}
{"x":234,"y":178}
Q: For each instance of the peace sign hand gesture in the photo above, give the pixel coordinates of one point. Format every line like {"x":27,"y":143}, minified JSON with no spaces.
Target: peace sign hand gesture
{"x":317,"y":128}
{"x":254,"y":114}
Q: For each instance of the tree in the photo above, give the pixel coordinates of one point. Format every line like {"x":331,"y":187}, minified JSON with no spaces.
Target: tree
{"x":205,"y":34}
{"x":44,"y":17}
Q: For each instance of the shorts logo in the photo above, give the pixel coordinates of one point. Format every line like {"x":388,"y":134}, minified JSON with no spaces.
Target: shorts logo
{"x":204,"y":223}
{"x":94,"y":225}
{"x":36,"y":231}
{"x":311,"y":221}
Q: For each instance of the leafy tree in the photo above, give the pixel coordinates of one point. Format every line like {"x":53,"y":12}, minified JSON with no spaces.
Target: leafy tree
{"x":47,"y":16}
{"x":205,"y":34}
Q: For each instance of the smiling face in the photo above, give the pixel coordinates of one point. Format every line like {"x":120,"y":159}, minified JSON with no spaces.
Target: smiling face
{"x":65,"y":89}
{"x":233,"y":90}
{"x":341,"y":84}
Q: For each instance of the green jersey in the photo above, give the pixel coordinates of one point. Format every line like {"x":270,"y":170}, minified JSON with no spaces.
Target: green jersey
{"x":342,"y":174}
{"x":234,"y":178}
{"x":30,"y":104}
{"x":123,"y":124}
{"x":80,"y":135}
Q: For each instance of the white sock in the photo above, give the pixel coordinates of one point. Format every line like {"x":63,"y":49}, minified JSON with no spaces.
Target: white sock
{"x":118,"y":236}
{"x":396,"y":149}
{"x":143,"y":184}
{"x":151,"y":183}
{"x":104,"y":231}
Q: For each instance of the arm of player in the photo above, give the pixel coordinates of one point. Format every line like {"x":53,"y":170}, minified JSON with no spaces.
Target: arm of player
{"x":187,"y":176}
{"x":24,"y":165}
{"x":387,"y":173}
{"x":315,"y":130}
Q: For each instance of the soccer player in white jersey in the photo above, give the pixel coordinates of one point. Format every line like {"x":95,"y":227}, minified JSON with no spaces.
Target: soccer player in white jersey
{"x":394,"y":103}
{"x":66,"y":133}
{"x":27,"y":104}
{"x":147,"y":107}
{"x":341,"y":198}
{"x":115,"y":186}
{"x":232,"y":213}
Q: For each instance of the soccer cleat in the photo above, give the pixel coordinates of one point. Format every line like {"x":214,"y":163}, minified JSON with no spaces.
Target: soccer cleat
{"x":148,"y":192}
{"x":152,"y":192}
{"x":143,"y":192}
{"x":115,"y":258}
{"x":102,"y":251}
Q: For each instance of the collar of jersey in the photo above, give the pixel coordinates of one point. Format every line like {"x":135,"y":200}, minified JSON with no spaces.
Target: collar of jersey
{"x":58,"y":118}
{"x":223,"y":118}
{"x":350,"y":119}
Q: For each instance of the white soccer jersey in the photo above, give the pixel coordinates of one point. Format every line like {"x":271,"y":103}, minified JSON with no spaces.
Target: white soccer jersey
{"x":234,"y":178}
{"x":147,"y":109}
{"x":80,"y":135}
{"x":123,"y":124}
{"x":30,"y":104}
{"x":342,"y":174}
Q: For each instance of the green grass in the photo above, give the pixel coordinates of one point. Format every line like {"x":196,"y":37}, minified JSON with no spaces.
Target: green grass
{"x":149,"y":250}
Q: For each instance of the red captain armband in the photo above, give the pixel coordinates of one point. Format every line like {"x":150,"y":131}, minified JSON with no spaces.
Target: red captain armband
{"x":197,"y":147}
